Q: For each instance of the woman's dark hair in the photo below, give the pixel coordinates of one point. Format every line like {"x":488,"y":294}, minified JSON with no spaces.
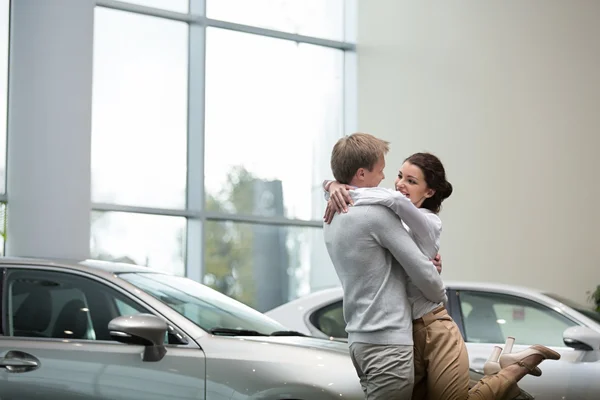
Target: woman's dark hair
{"x":435,"y":177}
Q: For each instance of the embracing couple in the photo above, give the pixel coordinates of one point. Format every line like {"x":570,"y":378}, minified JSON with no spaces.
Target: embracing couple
{"x":383,"y":244}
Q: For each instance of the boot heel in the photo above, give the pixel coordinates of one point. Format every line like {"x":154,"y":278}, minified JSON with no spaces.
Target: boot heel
{"x":492,"y":366}
{"x":508,"y":346}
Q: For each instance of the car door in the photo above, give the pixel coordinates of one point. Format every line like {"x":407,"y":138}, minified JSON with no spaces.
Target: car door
{"x":487,"y":318}
{"x":56,"y":343}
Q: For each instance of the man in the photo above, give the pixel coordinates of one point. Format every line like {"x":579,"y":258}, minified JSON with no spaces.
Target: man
{"x":373,"y":255}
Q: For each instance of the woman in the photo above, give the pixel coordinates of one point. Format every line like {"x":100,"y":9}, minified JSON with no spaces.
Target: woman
{"x":440,"y":354}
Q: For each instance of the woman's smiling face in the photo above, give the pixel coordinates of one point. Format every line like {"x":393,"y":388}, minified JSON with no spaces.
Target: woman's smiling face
{"x":411,"y":183}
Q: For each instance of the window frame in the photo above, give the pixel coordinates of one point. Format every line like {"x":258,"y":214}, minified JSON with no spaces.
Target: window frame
{"x":460,"y":316}
{"x":4,"y":292}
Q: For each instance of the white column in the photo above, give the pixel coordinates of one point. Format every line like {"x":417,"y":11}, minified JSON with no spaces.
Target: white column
{"x":49,"y":128}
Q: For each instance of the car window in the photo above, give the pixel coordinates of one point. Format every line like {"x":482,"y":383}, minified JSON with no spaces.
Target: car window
{"x":490,"y":318}
{"x":202,"y":305}
{"x":330,"y":320}
{"x":585,"y":310}
{"x":60,"y":305}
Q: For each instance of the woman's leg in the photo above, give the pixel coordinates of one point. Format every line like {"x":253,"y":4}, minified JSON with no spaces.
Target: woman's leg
{"x":447,"y":364}
{"x":501,"y":386}
{"x":420,"y":344}
{"x":447,"y":360}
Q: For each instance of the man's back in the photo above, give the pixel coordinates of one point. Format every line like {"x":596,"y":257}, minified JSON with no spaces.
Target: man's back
{"x":376,"y":307}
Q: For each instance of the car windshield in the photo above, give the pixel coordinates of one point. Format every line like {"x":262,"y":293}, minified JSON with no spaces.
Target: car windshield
{"x":587,"y":311}
{"x":202,"y":305}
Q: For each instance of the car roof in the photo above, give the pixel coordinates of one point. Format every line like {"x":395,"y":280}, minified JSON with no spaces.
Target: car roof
{"x":318,"y":298}
{"x":331,"y":294}
{"x":496,"y":287}
{"x":455,"y":285}
{"x":97,"y":267}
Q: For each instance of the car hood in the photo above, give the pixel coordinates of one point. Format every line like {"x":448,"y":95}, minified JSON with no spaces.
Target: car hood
{"x":254,"y":364}
{"x":304,"y":342}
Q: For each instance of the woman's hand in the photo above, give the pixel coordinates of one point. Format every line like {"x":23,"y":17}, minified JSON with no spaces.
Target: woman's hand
{"x":339,"y":196}
{"x":329,"y":213}
{"x":437,"y":261}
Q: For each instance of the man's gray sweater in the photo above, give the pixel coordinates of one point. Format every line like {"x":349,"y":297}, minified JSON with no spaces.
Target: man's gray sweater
{"x":372,"y":254}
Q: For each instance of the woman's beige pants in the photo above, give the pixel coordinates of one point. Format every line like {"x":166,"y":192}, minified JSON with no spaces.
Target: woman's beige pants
{"x":442,"y":364}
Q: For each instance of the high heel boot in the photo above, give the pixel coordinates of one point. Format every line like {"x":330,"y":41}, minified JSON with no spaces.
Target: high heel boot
{"x":492,"y":366}
{"x":517,"y":358}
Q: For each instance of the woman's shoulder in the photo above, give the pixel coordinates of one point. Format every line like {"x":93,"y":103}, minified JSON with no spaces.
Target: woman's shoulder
{"x":433,"y":218}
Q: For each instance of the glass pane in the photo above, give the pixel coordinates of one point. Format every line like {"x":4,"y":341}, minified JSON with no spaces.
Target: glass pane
{"x":171,"y":5}
{"x":265,"y":266}
{"x":490,"y":318}
{"x":4,"y":18}
{"x":156,"y":241}
{"x":205,"y":307}
{"x":273,"y":114}
{"x":330,"y":321}
{"x":139,"y":110}
{"x":59,"y":305}
{"x":320,"y":18}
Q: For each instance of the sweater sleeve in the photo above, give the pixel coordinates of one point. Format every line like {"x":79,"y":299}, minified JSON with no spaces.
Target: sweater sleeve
{"x":390,"y":234}
{"x":325,"y":186}
{"x":427,"y":230}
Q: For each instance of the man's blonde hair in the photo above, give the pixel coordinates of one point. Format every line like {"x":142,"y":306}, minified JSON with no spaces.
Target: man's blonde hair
{"x":359,"y":150}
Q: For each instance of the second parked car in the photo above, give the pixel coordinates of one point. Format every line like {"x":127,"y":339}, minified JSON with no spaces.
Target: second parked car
{"x":486,"y":314}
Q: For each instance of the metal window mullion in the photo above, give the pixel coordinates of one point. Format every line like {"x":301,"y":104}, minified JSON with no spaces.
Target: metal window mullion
{"x":202,"y":215}
{"x":350,"y":86}
{"x":294,"y":37}
{"x":261,"y":220}
{"x":198,"y":17}
{"x":168,"y":212}
{"x":195,"y":147}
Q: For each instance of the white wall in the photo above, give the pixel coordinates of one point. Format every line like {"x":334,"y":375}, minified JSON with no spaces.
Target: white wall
{"x":507,"y":93}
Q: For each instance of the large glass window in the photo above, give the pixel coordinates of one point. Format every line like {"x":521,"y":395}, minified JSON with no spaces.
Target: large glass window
{"x":261,"y":265}
{"x":154,"y":240}
{"x":139,"y":115}
{"x":287,"y":102}
{"x":210,"y":143}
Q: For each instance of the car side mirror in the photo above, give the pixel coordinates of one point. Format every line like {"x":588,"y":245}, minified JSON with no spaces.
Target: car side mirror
{"x":582,"y":338}
{"x":141,"y":329}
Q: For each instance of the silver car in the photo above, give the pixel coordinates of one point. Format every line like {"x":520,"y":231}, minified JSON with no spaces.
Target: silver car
{"x":99,"y":330}
{"x":486,"y":314}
